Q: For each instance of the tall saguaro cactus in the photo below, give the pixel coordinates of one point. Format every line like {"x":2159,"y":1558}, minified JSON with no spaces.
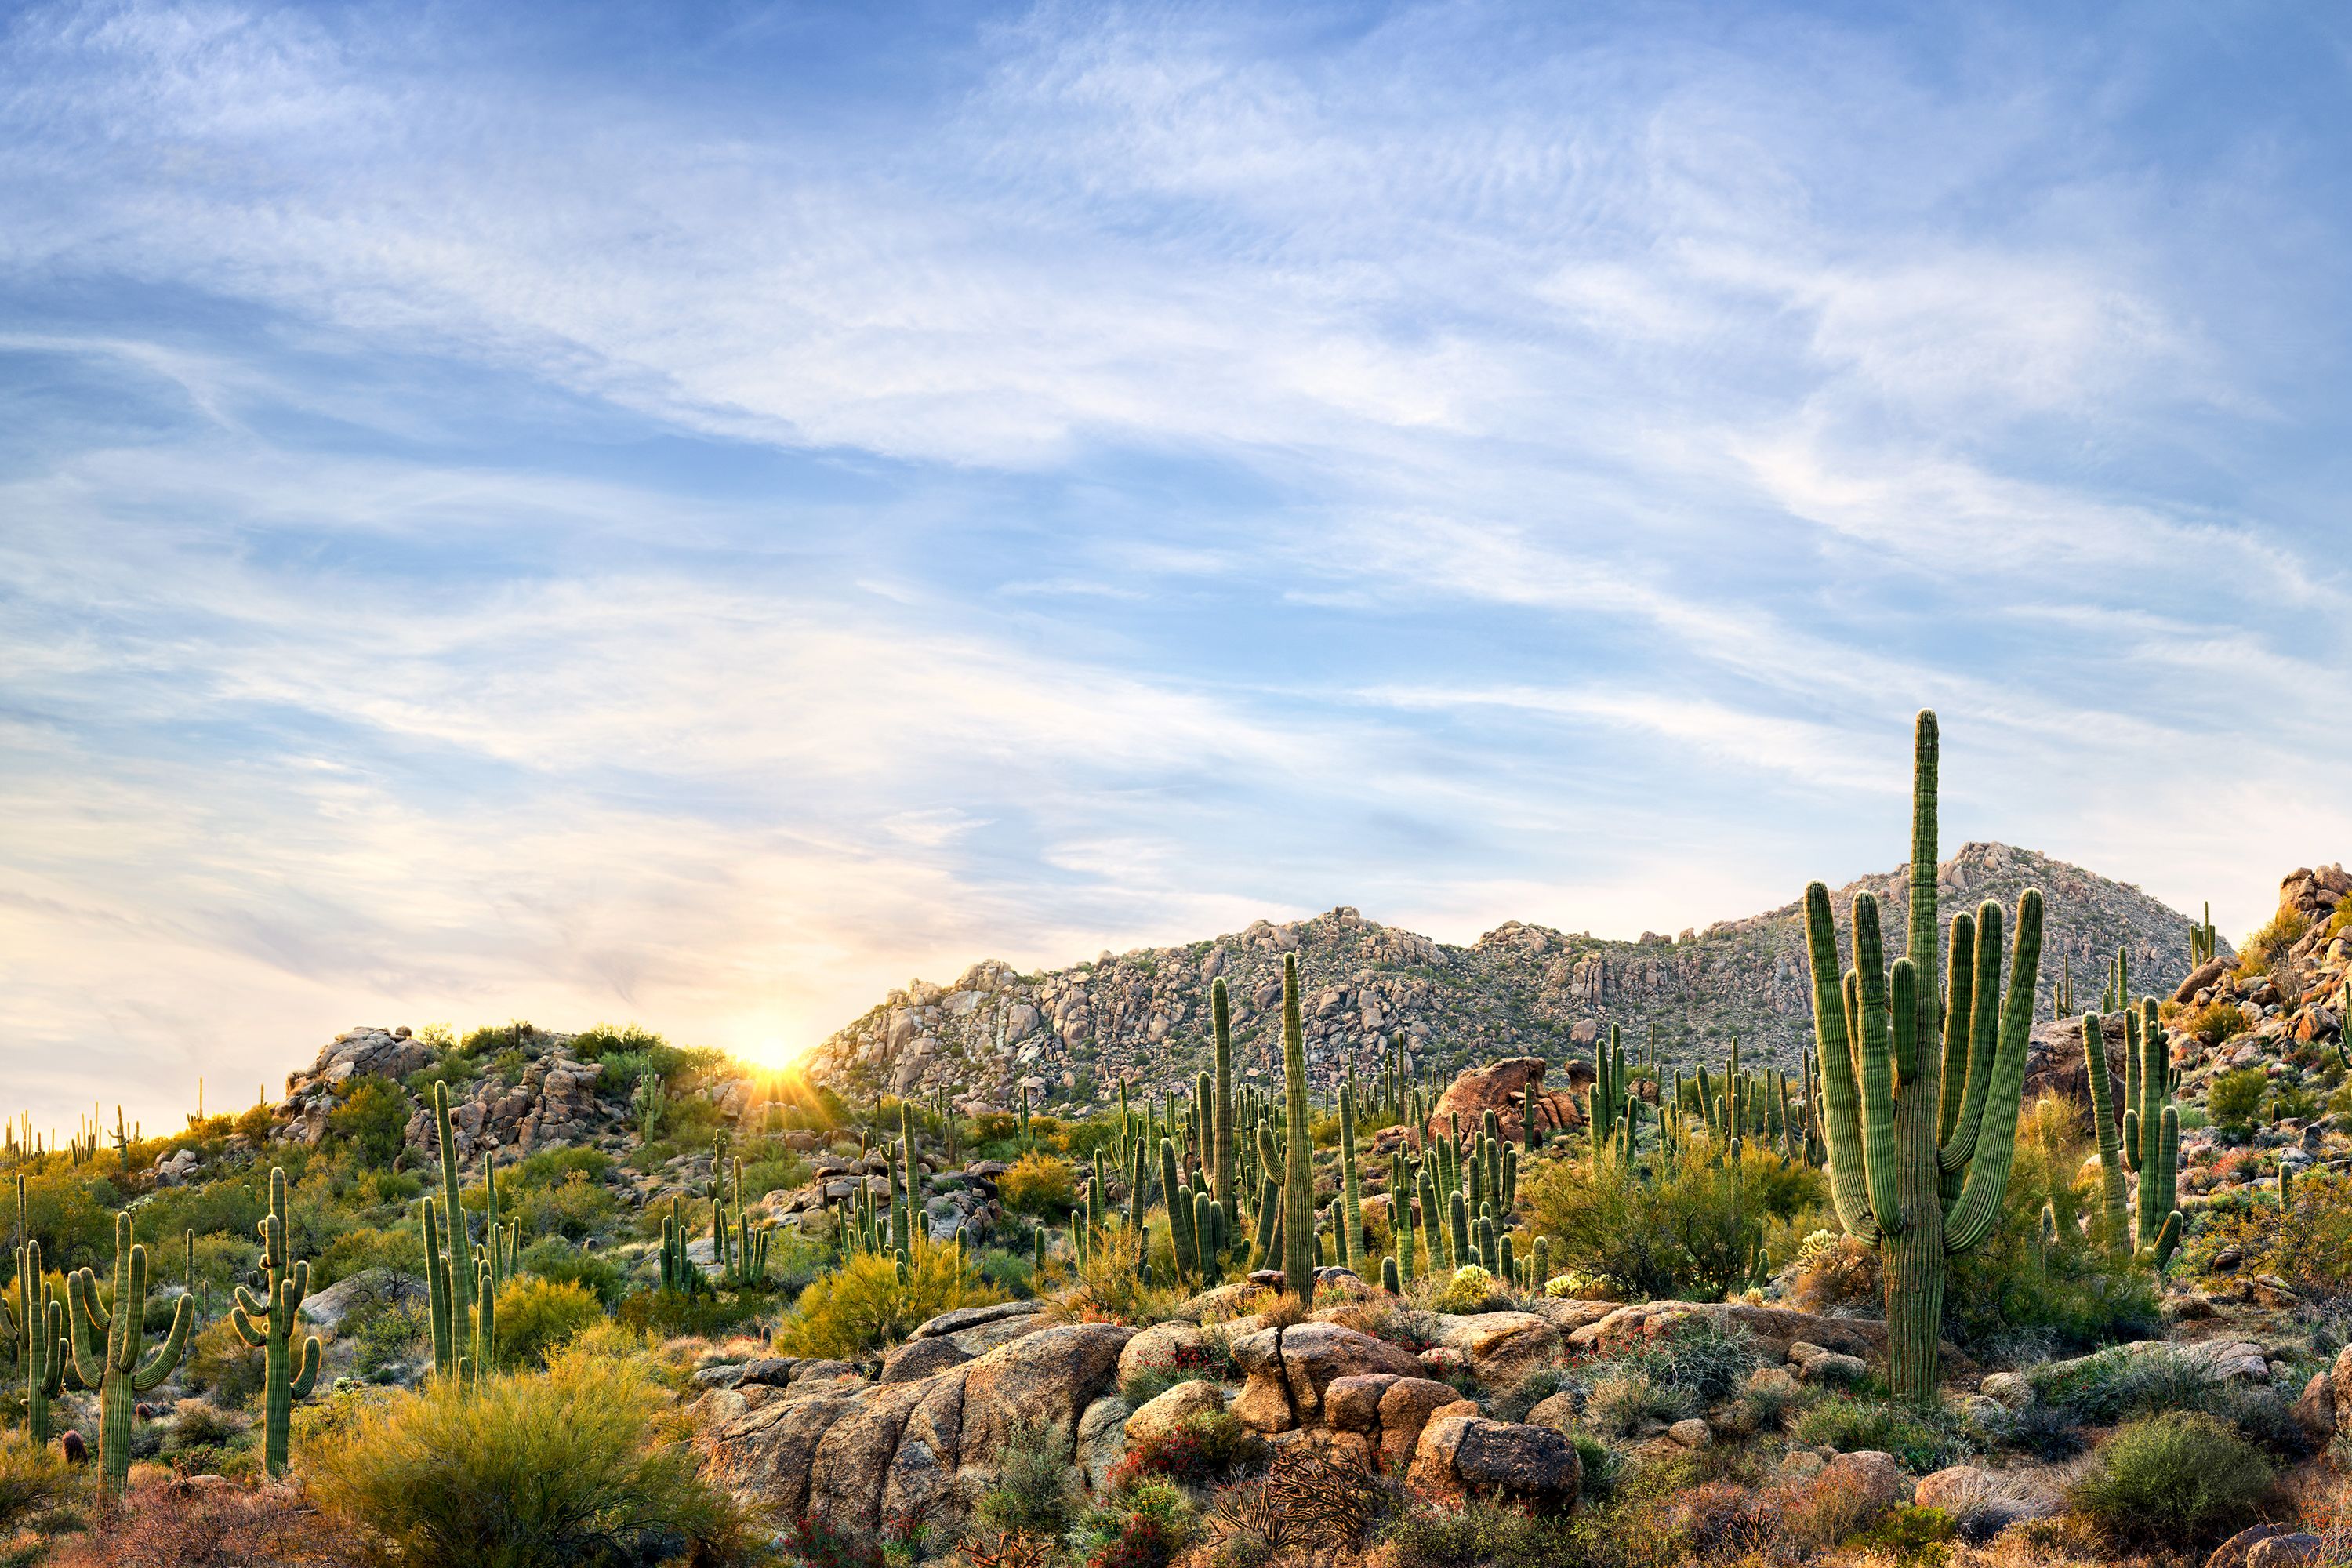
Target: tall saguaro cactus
{"x":1221,"y":1168}
{"x":38,"y":1328}
{"x":455,"y":1273}
{"x":1298,"y":1157}
{"x":107,"y":1346}
{"x":270,"y":1329}
{"x":1882,"y":1083}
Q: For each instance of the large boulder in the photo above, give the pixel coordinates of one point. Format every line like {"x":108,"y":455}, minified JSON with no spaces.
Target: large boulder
{"x":847,"y":1455}
{"x":1158,"y":1416}
{"x":1772,"y":1328}
{"x":1287,"y":1369}
{"x":1502,"y":1087}
{"x":1460,"y":1455}
{"x":1502,"y":1347}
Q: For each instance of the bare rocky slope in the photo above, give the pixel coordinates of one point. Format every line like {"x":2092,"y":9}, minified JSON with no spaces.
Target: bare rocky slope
{"x":1072,"y":1034}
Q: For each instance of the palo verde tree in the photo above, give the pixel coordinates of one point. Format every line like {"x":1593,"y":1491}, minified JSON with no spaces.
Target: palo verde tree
{"x":1921,"y":1138}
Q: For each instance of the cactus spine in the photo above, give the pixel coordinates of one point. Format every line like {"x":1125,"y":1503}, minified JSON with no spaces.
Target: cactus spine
{"x":106,"y":1345}
{"x":1298,"y":1169}
{"x":270,"y":1329}
{"x":38,"y":1328}
{"x":1887,"y":1166}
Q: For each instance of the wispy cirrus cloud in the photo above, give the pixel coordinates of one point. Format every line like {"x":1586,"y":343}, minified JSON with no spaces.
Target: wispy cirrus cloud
{"x":703,"y":519}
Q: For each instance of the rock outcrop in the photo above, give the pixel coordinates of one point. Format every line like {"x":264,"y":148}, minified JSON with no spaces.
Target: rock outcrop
{"x":1069,"y":1036}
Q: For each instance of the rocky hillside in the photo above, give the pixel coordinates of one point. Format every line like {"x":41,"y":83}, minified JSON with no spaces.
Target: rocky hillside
{"x":1072,"y":1034}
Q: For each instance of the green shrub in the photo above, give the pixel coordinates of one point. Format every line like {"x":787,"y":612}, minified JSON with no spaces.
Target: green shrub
{"x":386,"y":1342}
{"x":1689,"y":1233}
{"x":569,"y":1466}
{"x":864,"y":1307}
{"x":576,"y":1209}
{"x":33,"y":1480}
{"x":397,"y":1249}
{"x":1469,"y":1290}
{"x":667,"y":1313}
{"x":372,"y":1119}
{"x":1482,"y":1534}
{"x":1921,"y":1439}
{"x":553,"y":1258}
{"x":2173,"y":1479}
{"x":1141,"y":1524}
{"x":2266,"y":948}
{"x":537,"y":1315}
{"x":1209,"y":1446}
{"x":220,"y":1364}
{"x":2216,"y":1022}
{"x":1035,"y":1492}
{"x":553,"y":1167}
{"x":1514,"y":1403}
{"x":2233,"y":1098}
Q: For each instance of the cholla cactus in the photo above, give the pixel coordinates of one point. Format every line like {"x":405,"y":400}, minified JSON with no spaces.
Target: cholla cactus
{"x":107,"y":1346}
{"x":270,"y":1327}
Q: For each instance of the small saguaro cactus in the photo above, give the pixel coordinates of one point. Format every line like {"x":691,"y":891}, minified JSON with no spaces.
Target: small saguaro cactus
{"x":1887,"y":1165}
{"x":1221,"y":1169}
{"x":107,"y":1346}
{"x":37,"y":1327}
{"x":1298,"y":1168}
{"x":456,"y":1270}
{"x":1350,"y":1226}
{"x":270,"y":1329}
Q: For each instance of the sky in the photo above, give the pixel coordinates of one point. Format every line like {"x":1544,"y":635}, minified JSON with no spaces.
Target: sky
{"x":699,"y":514}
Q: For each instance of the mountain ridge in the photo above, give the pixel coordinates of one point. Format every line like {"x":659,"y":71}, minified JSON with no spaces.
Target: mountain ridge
{"x":1071,"y":1035}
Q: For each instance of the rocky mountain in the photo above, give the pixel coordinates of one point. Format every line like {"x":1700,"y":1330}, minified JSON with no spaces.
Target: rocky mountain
{"x":1072,"y":1034}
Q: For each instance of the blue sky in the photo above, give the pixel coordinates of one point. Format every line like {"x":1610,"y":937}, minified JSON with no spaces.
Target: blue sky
{"x":699,"y":513}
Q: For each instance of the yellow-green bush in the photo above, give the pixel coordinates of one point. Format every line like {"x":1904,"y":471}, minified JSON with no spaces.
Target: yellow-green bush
{"x":1678,"y":1226}
{"x":863,"y":1306}
{"x":571,"y":1467}
{"x":1038,"y":1184}
{"x":2174,"y":1479}
{"x":32,"y":1479}
{"x":537,"y":1315}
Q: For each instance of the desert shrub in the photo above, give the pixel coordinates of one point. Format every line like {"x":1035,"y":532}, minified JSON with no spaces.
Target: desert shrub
{"x":576,"y":1209}
{"x":666,"y":1314}
{"x":196,"y":1423}
{"x":221,"y":1364}
{"x":553,"y":1167}
{"x":2172,"y":1479}
{"x":1830,"y":1508}
{"x":1108,"y":1285}
{"x":864,"y":1307}
{"x":2310,"y":1244}
{"x":384,"y":1342}
{"x":2216,"y":1022}
{"x":1482,"y":1534}
{"x":1835,"y":1270}
{"x":33,"y":1479}
{"x":2233,"y":1098}
{"x":1212,"y":1360}
{"x":602,"y":1040}
{"x":1714,"y":1519}
{"x":1035,"y":1492}
{"x":1706,"y":1359}
{"x":1209,"y":1446}
{"x":2068,"y":1289}
{"x":1922,"y":1440}
{"x":566,"y":1467}
{"x":1038,"y":1184}
{"x":171,"y":1524}
{"x":783,"y":1172}
{"x":1471,"y":1290}
{"x":1141,"y":1524}
{"x":1692,"y":1231}
{"x":553,"y":1258}
{"x":537,"y":1315}
{"x":2266,"y":948}
{"x":1514,"y":1403}
{"x":372,"y":1119}
{"x":397,"y":1249}
{"x":1621,"y":1401}
{"x":1906,"y":1533}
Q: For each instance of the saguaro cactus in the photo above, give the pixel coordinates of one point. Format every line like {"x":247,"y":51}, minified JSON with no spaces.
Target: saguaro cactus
{"x":2152,"y":1128}
{"x":457,"y":1269}
{"x":1882,"y":1081}
{"x":1221,"y":1169}
{"x":106,"y":1345}
{"x":37,"y":1327}
{"x":1298,"y":1158}
{"x":270,"y":1329}
{"x":1350,"y":1228}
